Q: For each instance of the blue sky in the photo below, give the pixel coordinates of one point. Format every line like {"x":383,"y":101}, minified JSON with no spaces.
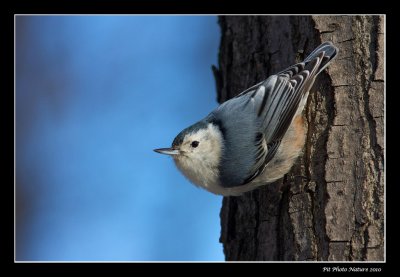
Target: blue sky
{"x":94,"y":96}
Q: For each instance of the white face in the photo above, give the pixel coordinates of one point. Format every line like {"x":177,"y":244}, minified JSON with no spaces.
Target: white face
{"x":200,"y":154}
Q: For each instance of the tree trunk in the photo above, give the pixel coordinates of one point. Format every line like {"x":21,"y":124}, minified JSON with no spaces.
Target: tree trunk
{"x":337,"y":212}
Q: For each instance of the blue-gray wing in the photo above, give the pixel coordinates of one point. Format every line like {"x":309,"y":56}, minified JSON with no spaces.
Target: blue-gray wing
{"x":268,"y":109}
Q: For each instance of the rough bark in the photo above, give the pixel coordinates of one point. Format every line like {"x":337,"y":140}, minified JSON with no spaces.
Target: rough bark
{"x":337,"y":212}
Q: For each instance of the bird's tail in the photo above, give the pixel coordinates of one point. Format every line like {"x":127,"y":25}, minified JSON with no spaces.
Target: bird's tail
{"x":327,"y":51}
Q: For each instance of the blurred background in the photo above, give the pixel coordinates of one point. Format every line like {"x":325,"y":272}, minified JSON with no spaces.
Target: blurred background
{"x":94,"y":96}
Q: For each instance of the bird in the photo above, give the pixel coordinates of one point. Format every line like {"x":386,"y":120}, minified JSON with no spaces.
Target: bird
{"x":254,"y":138}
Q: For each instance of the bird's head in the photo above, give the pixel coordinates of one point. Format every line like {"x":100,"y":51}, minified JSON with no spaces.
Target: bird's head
{"x":197,"y":152}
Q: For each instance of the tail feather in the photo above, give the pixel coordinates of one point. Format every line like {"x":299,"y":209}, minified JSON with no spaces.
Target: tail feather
{"x":328,"y":52}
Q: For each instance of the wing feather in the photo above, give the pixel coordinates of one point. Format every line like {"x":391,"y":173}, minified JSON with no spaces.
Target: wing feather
{"x":275,"y":103}
{"x":282,"y":94}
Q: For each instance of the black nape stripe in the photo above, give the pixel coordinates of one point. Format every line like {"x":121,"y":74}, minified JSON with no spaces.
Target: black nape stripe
{"x":220,"y":126}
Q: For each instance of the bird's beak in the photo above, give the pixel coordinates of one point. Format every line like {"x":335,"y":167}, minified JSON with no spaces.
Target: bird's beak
{"x":167,"y":151}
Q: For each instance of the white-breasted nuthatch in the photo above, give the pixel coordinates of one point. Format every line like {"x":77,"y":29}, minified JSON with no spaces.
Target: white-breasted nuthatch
{"x":254,"y":138}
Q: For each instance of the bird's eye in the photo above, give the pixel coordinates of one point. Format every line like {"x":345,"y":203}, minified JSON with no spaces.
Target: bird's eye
{"x":195,"y":144}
